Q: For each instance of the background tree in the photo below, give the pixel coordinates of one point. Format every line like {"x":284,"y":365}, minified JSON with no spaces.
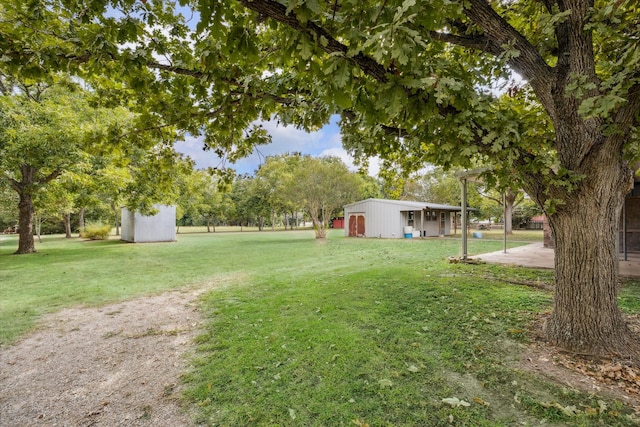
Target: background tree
{"x":213,"y":201}
{"x":216,"y":203}
{"x":109,"y":184}
{"x":41,"y":136}
{"x":443,"y":187}
{"x":244,"y":212}
{"x":505,"y":204}
{"x":50,"y":129}
{"x":524,"y":212}
{"x":53,"y":203}
{"x":370,"y":187}
{"x":408,"y":79}
{"x":322,"y":186}
{"x":8,"y":207}
{"x":201,"y":198}
{"x":189,"y":199}
{"x":435,"y":186}
{"x":276,"y":172}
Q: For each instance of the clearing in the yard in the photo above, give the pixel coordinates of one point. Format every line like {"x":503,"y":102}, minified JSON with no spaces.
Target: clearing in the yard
{"x":295,"y":331}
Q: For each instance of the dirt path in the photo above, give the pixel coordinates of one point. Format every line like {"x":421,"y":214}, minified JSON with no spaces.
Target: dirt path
{"x":115,"y":365}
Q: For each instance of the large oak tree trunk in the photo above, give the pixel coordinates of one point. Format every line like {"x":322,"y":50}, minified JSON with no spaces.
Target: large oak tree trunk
{"x":26,"y":242}
{"x":586,"y":318}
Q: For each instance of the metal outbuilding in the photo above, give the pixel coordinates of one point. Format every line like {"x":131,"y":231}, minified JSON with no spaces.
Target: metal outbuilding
{"x":399,"y":218}
{"x":139,"y":228}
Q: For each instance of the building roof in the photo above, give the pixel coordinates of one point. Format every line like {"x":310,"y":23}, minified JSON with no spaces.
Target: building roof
{"x":412,"y":205}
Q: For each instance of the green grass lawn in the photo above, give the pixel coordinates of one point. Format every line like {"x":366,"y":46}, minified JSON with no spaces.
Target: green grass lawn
{"x":326,"y":333}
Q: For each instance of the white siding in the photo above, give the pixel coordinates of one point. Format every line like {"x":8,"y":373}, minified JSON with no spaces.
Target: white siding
{"x":160,"y":227}
{"x":387,"y":218}
{"x":381,"y":219}
{"x":127,"y":227}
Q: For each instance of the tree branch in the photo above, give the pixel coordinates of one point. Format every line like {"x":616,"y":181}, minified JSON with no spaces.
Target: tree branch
{"x":528,"y":62}
{"x":389,"y":130}
{"x":548,"y":4}
{"x":53,"y":175}
{"x":278,"y":12}
{"x":12,"y":183}
{"x":481,"y":43}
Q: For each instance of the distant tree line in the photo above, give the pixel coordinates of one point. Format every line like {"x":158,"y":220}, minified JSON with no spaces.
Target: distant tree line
{"x":285,"y":190}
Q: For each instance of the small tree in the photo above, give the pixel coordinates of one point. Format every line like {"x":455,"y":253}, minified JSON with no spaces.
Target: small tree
{"x":322,"y":186}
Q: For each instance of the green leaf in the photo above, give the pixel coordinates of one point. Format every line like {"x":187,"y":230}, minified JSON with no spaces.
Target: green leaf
{"x":600,"y":106}
{"x":305,"y":48}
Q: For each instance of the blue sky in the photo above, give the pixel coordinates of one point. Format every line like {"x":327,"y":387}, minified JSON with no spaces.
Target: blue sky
{"x":325,"y":142}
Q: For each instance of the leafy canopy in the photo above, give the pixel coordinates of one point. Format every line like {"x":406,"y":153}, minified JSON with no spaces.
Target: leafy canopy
{"x":414,"y":81}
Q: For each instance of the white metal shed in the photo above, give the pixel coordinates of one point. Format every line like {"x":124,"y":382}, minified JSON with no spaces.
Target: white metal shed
{"x":398,"y":218}
{"x":139,"y":228}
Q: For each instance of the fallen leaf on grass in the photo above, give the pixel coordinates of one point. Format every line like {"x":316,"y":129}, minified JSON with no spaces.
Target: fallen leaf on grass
{"x":481,"y":401}
{"x":455,"y":402}
{"x":413,"y":368}
{"x":385,"y":383}
{"x":570,"y":411}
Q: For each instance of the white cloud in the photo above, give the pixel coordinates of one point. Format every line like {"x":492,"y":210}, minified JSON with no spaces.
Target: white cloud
{"x":285,"y":139}
{"x":341,"y":153}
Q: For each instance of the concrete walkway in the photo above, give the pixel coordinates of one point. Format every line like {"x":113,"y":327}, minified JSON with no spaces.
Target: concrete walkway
{"x":535,"y":255}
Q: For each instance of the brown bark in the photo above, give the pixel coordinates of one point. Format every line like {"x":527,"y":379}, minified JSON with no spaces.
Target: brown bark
{"x":315,"y":213}
{"x":81,"y":220}
{"x":67,"y":225}
{"x":586,"y":318}
{"x":115,"y":213}
{"x":38,"y":226}
{"x":512,"y":199}
{"x":319,"y":227}
{"x":24,"y":187}
{"x":26,"y":242}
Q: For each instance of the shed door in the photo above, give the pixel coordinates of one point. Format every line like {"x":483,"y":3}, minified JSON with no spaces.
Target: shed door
{"x":356,"y":225}
{"x":353,"y":226}
{"x":361,"y":225}
{"x":443,"y":223}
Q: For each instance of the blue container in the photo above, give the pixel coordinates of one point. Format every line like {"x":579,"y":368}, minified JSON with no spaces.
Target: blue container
{"x":477,"y":235}
{"x":408,"y":235}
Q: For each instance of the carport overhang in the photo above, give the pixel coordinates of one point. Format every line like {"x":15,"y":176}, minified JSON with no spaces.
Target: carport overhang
{"x":424,"y":207}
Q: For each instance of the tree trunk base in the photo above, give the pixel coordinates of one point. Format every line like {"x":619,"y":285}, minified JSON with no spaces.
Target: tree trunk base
{"x":621,"y":342}
{"x":23,"y":252}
